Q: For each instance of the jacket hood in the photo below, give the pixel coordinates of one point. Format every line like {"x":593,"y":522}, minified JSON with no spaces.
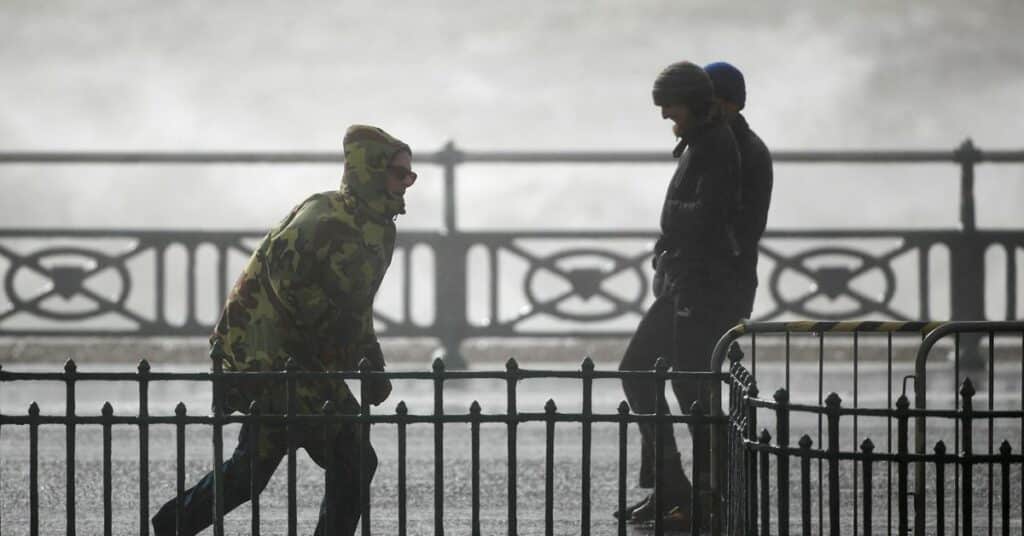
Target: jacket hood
{"x":368,"y":152}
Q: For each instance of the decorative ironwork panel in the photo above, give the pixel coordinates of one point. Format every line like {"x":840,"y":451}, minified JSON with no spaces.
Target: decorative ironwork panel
{"x":501,"y":284}
{"x":97,"y":282}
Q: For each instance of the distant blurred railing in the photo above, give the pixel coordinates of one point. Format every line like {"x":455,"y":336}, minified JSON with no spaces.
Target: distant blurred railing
{"x":586,"y":303}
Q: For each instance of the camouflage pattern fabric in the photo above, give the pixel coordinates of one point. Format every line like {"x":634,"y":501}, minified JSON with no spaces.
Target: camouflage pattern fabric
{"x":307,"y":291}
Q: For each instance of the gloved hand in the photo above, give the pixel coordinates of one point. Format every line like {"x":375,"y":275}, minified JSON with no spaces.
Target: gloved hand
{"x":378,"y":388}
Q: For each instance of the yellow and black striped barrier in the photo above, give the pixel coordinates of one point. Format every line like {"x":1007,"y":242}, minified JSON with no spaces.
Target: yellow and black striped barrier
{"x":812,"y":326}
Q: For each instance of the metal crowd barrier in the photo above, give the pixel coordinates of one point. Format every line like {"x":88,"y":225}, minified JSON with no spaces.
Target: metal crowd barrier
{"x":749,"y":486}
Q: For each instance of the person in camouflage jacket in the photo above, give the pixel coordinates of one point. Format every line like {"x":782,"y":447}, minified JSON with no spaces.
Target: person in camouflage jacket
{"x":307,"y":294}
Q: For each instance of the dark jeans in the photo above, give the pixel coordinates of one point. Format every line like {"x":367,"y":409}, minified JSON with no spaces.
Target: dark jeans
{"x":686,"y":341}
{"x":271,"y":446}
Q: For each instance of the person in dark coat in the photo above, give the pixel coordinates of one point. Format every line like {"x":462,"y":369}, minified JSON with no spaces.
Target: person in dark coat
{"x":697,"y":258}
{"x":756,"y":175}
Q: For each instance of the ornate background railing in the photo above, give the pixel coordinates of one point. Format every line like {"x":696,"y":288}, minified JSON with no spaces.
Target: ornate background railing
{"x":61,"y":282}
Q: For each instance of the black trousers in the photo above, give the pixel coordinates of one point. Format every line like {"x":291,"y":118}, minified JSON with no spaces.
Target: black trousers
{"x":685,"y":337}
{"x":271,"y":446}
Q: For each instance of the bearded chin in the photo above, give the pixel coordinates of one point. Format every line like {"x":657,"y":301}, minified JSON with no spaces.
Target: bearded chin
{"x":400,"y":205}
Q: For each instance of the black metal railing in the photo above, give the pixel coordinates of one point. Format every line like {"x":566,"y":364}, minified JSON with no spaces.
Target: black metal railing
{"x":866,"y":484}
{"x":934,"y":492}
{"x":590,"y":300}
{"x":103,"y":517}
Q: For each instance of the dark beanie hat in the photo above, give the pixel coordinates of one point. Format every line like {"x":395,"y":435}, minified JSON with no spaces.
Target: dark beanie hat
{"x":729,"y":84}
{"x":684,"y":83}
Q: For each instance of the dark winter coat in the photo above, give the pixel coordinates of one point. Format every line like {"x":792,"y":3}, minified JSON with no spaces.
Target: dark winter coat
{"x":698,"y":234}
{"x":755,"y":198}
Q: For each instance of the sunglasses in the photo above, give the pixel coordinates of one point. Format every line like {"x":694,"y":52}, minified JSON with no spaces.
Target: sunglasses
{"x":401,"y":173}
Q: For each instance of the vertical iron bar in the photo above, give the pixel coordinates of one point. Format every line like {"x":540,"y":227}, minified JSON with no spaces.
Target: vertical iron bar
{"x":190,"y":284}
{"x":956,"y":429}
{"x":853,"y":438}
{"x":587,"y":368}
{"x":765,"y":442}
{"x":33,"y":467}
{"x":143,"y":447}
{"x":752,"y":471}
{"x":967,"y":155}
{"x":222,"y":273}
{"x":364,"y":444}
{"x":69,"y":377}
{"x":888,"y":432}
{"x":331,"y":481}
{"x":920,"y":442}
{"x":474,"y":409}
{"x":1005,"y":450}
{"x":821,"y":392}
{"x":402,"y":411}
{"x":108,"y":488}
{"x":868,"y":449}
{"x":805,"y":483}
{"x":623,"y":430}
{"x":967,"y":256}
{"x":902,"y":412}
{"x":549,"y":468}
{"x":450,"y":270}
{"x":439,"y":376}
{"x":450,"y":158}
{"x":924,"y":281}
{"x":291,"y":430}
{"x":940,"y":488}
{"x":833,"y":404}
{"x":179,"y":470}
{"x":753,"y":354}
{"x":661,"y":369}
{"x":254,"y":492}
{"x":698,"y":433}
{"x":407,"y":285}
{"x":218,"y":445}
{"x":967,"y":392}
{"x":782,"y":462}
{"x":787,"y":360}
{"x":492,"y":264}
{"x":1011,"y":281}
{"x":991,"y":420}
{"x":718,"y":459}
{"x":161,"y":284}
{"x":512,"y":370}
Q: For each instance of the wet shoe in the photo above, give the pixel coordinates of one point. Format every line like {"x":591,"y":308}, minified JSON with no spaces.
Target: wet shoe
{"x":677,"y":519}
{"x":628,"y":512}
{"x":643,"y":513}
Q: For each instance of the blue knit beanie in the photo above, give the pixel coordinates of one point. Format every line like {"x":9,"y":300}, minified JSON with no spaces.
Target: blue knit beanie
{"x":728,"y":81}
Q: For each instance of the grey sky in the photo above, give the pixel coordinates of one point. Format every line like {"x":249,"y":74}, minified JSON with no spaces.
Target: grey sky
{"x":495,"y":75}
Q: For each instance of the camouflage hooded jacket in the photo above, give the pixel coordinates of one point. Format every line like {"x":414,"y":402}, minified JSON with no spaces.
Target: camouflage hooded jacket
{"x":307,"y":291}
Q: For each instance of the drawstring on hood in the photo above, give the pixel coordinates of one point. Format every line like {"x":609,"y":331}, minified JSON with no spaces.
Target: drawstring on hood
{"x":368,"y":152}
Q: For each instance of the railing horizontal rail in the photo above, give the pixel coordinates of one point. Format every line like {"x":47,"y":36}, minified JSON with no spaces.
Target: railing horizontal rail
{"x":409,"y":418}
{"x":521,"y":157}
{"x":799,"y":452}
{"x":881,"y":412}
{"x":351,"y":375}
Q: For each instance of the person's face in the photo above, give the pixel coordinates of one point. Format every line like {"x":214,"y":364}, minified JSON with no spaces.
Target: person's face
{"x":400,"y":173}
{"x":682,"y":118}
